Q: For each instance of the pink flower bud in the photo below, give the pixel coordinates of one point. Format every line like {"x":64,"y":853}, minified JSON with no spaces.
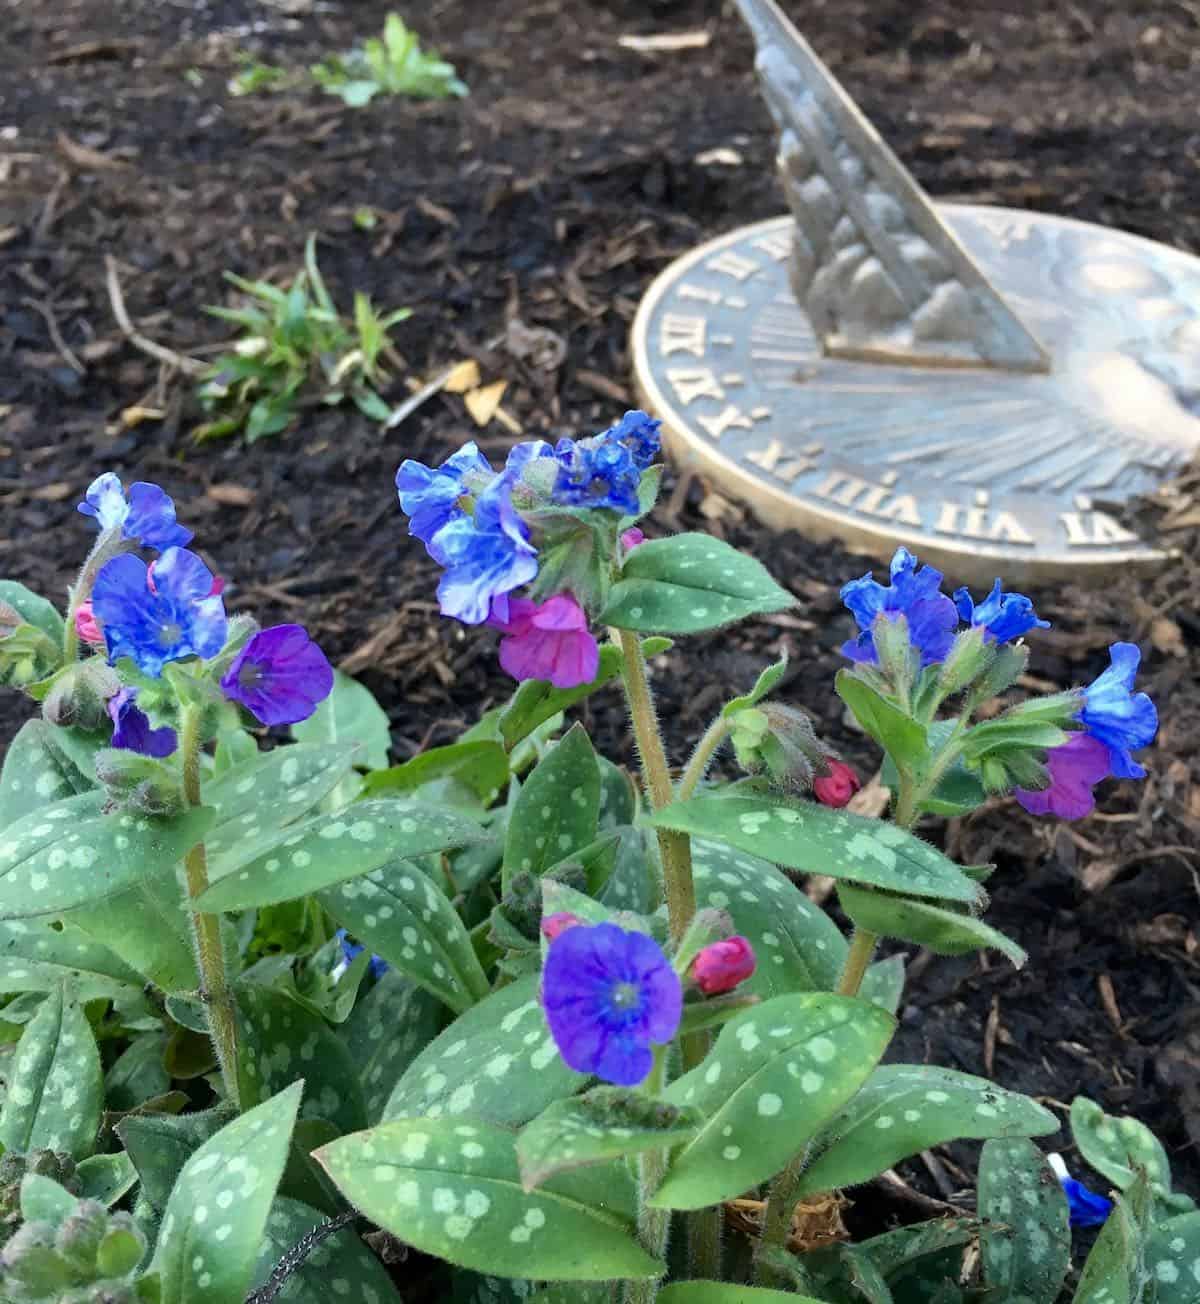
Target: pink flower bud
{"x":557,"y":923}
{"x":85,"y":624}
{"x":722,"y":965}
{"x":838,"y":786}
{"x":631,"y":538}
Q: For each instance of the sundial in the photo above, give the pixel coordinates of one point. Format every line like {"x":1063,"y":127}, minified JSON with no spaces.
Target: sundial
{"x":984,"y":385}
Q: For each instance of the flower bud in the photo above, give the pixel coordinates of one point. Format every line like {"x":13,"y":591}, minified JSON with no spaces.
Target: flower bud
{"x":838,"y":786}
{"x":78,"y":1238}
{"x":80,"y":695}
{"x":139,"y":783}
{"x":85,"y":625}
{"x":631,"y":538}
{"x":778,"y":739}
{"x":721,"y":966}
{"x":968,"y":658}
{"x":559,"y":922}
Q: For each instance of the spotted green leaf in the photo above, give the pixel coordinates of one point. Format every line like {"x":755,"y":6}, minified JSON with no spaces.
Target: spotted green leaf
{"x":497,"y":1062}
{"x":558,"y":809}
{"x":43,"y":1200}
{"x":687,"y":584}
{"x":35,"y":774}
{"x":274,"y":791}
{"x":1025,"y":1242}
{"x":602,"y":1124}
{"x":720,"y":1292}
{"x":389,"y":1027}
{"x":905,"y":1108}
{"x":398,"y":913}
{"x":138,"y":1073}
{"x":70,"y":855}
{"x":797,"y":946}
{"x":36,"y":956}
{"x":805,"y":835}
{"x":340,"y":1268}
{"x":55,"y":1087}
{"x":883,"y":983}
{"x":482,"y":765}
{"x":333,"y":848}
{"x":279,"y":1040}
{"x":944,"y":931}
{"x":1173,"y":1259}
{"x":1116,"y":1270}
{"x":634,"y":880}
{"x":160,"y":1144}
{"x":777,"y":1073}
{"x":106,"y":1178}
{"x":350,"y":714}
{"x":215,"y":1217}
{"x":1117,"y":1147}
{"x":33,"y":608}
{"x":235,"y":749}
{"x":452,"y":1189}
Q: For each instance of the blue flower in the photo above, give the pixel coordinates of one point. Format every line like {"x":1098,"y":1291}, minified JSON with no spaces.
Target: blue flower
{"x":1003,"y":616}
{"x":376,"y":967}
{"x":609,"y":995}
{"x":639,"y":432}
{"x":132,"y":731}
{"x":147,"y":516}
{"x":180,"y":617}
{"x":1087,"y":1208}
{"x":1121,"y":720}
{"x":430,"y":497}
{"x":596,"y":472}
{"x":914,"y":594}
{"x":486,"y":555}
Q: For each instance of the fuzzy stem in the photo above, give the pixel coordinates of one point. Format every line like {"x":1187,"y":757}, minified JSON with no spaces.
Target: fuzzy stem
{"x":706,"y":749}
{"x":216,"y":993}
{"x":106,"y":547}
{"x":653,"y":1224}
{"x":858,"y":960}
{"x":675,"y":847}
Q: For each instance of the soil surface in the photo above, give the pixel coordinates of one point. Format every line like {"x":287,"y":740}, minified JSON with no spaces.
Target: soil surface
{"x":574,"y":171}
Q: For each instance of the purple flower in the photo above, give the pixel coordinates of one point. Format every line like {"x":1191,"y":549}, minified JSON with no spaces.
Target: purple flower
{"x":132,"y":731}
{"x":1003,"y":616}
{"x":1120,"y":719}
{"x":430,"y":497}
{"x":609,"y":995}
{"x":486,"y":556}
{"x":146,"y":516}
{"x":914,"y":594}
{"x":550,"y":641}
{"x":280,"y":676}
{"x":1075,"y":768}
{"x":180,"y":617}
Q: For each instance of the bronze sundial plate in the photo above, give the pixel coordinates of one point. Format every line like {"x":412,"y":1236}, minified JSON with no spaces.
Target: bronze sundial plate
{"x":981,"y":471}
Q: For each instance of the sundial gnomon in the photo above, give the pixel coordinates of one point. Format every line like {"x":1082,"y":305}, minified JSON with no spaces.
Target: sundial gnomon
{"x":979,"y":383}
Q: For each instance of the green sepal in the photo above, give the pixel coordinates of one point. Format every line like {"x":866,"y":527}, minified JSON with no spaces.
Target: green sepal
{"x":903,"y":738}
{"x":765,"y":683}
{"x":575,"y":555}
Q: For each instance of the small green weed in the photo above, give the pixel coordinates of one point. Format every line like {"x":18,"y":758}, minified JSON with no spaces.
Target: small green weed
{"x":296,"y":350}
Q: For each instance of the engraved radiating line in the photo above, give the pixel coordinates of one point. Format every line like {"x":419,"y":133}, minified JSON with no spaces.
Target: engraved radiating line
{"x":1024,"y":445}
{"x":780,"y":355}
{"x":1065,"y":465}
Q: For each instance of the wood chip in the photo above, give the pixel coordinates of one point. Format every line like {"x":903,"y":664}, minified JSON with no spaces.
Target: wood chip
{"x":1167,"y":637}
{"x":90,"y":160}
{"x":665,"y":42}
{"x":135,"y":414}
{"x":54,"y":493}
{"x":1108,"y":998}
{"x":594,"y":381}
{"x":435,"y":211}
{"x":462,"y":378}
{"x":482,"y":403}
{"x":231,"y":495}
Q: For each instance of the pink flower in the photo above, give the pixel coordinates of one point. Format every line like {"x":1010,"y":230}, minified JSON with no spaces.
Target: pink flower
{"x":838,"y":786}
{"x":549,"y":641}
{"x":1075,"y":768}
{"x":557,"y":923}
{"x":722,"y":965}
{"x":85,"y":624}
{"x":631,"y":538}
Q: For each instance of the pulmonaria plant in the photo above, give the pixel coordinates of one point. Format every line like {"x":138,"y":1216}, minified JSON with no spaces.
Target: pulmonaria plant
{"x":539,"y":1020}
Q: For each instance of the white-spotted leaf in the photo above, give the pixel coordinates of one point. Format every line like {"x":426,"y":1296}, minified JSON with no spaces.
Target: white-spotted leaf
{"x":36,"y":957}
{"x":720,"y":1292}
{"x":1117,"y":1147}
{"x":399,"y":914}
{"x":55,"y":1087}
{"x":452,"y":1189}
{"x":805,"y":835}
{"x":1025,"y":1241}
{"x":797,"y":947}
{"x":498,"y":1061}
{"x":1116,"y":1270}
{"x":106,"y":1178}
{"x":905,"y":1108}
{"x":388,"y":1028}
{"x":333,"y":848}
{"x":212,"y":1227}
{"x":35,"y":774}
{"x":350,"y":714}
{"x":1173,"y":1259}
{"x":777,"y":1072}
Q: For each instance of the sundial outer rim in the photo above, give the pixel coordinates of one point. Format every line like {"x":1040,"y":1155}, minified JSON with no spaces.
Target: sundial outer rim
{"x":974,"y":561}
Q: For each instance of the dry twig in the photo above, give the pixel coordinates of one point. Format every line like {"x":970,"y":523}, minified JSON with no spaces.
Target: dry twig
{"x":160,"y":352}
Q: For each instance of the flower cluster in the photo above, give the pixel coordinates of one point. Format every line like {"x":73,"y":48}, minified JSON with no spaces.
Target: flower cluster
{"x":489,"y":531}
{"x":1112,"y":720}
{"x":171,"y":609}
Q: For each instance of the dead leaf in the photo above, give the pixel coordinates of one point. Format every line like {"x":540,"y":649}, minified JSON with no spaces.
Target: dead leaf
{"x":1167,"y":637}
{"x":665,"y":42}
{"x":871,"y":800}
{"x":231,"y":495}
{"x":603,"y":385}
{"x":482,"y":403}
{"x":462,"y":378}
{"x":54,"y":493}
{"x":542,"y":348}
{"x":136,"y":414}
{"x":1099,"y":874}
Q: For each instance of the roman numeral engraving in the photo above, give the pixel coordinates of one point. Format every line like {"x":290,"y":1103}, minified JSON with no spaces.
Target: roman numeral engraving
{"x":772,"y":459}
{"x":681,"y":333}
{"x":776,"y":244}
{"x":1094,"y":529}
{"x":733,"y":264}
{"x":691,"y":383}
{"x":978,"y":523}
{"x":689,"y":291}
{"x":730,"y":416}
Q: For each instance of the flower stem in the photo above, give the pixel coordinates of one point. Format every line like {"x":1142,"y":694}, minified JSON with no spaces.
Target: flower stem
{"x":653,"y":1224}
{"x":858,"y":960}
{"x":698,"y":764}
{"x":674,"y":847}
{"x":106,"y":547}
{"x":215,"y":988}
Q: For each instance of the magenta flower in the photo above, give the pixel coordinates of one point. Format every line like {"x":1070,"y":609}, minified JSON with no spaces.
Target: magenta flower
{"x":559,"y":922}
{"x":280,"y":676}
{"x":1075,"y":768}
{"x":85,"y":624}
{"x":720,"y":966}
{"x":631,"y":538}
{"x":550,"y":641}
{"x":609,"y":995}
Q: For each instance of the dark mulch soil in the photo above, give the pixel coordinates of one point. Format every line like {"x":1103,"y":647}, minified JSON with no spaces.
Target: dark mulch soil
{"x":573,"y":173}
